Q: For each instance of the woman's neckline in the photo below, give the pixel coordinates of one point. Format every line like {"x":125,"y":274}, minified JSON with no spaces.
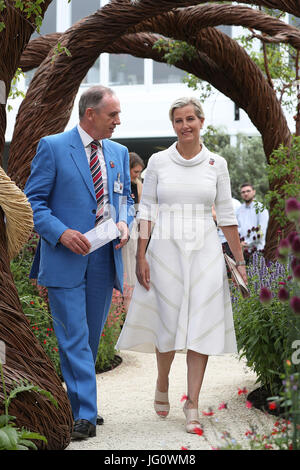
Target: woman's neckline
{"x":180,"y":160}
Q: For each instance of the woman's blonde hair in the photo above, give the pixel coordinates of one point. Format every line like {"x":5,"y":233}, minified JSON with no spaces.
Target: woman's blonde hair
{"x":185,"y":101}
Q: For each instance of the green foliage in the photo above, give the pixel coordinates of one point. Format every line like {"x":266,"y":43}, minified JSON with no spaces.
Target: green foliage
{"x":59,"y":50}
{"x":175,"y":50}
{"x":31,"y":10}
{"x":111,"y":332}
{"x":284,"y":166}
{"x":246,"y":161}
{"x":14,"y":92}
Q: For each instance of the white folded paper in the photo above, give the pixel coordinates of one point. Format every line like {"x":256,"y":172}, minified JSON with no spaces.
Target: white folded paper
{"x":102,"y":234}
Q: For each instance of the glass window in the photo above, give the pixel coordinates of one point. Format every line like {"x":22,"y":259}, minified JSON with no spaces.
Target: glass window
{"x":164,"y":73}
{"x":93,"y":75}
{"x":295,"y":21}
{"x":226,"y":29}
{"x":80,"y":8}
{"x":49,"y":21}
{"x":125,"y":69}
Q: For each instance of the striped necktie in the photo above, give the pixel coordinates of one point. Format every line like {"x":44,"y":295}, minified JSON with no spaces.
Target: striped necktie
{"x":97,"y":179}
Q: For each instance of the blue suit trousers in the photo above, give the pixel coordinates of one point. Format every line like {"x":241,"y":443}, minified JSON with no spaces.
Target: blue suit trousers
{"x":79,"y":315}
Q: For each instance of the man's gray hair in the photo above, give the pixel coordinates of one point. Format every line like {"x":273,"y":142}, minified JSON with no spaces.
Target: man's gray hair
{"x":185,"y":101}
{"x":92,"y":98}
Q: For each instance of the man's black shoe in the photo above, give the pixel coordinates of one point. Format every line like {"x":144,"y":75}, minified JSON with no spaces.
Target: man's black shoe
{"x":83,"y":429}
{"x":100,"y":420}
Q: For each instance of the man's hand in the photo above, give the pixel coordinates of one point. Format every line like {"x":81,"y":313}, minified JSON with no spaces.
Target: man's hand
{"x":122,"y":226}
{"x":75,"y":241}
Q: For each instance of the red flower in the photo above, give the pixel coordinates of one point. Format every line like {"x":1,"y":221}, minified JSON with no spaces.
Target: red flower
{"x":283,"y":294}
{"x":292,"y":209}
{"x":198,"y":431}
{"x":296,"y":246}
{"x":284,"y":247}
{"x":222,"y":406}
{"x":291,"y":236}
{"x":265,"y":295}
{"x":295,"y":304}
{"x":248,"y":404}
{"x":208,"y":413}
{"x":184,"y":398}
{"x":242,"y":391}
{"x":31,"y":303}
{"x":272,"y":405}
{"x":184,"y":448}
{"x":296,"y":272}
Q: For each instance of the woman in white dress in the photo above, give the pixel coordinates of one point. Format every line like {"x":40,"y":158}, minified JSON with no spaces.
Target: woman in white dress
{"x":182,"y":300}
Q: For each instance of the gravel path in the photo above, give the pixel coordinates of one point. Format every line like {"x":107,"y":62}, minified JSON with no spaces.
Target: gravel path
{"x":125,"y":400}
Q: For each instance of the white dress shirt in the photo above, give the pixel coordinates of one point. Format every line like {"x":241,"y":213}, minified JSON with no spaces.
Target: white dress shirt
{"x":248,"y":218}
{"x":86,"y":140}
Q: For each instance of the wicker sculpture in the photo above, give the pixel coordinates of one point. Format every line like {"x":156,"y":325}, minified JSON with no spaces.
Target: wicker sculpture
{"x":25,"y":358}
{"x":221,"y":61}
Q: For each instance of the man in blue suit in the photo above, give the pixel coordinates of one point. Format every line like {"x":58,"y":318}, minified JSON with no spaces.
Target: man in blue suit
{"x":65,"y":202}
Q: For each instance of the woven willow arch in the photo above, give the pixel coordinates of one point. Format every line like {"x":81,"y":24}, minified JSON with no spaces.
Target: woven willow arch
{"x":185,"y":24}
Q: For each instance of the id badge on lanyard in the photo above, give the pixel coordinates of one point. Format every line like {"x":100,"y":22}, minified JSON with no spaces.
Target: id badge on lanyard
{"x":118,"y":186}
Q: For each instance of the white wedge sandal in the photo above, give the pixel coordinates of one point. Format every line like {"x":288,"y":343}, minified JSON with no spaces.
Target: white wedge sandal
{"x":192,"y":420}
{"x":161,"y":409}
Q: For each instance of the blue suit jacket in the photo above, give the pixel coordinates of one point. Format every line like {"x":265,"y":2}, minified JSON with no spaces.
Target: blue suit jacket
{"x":61,"y":193}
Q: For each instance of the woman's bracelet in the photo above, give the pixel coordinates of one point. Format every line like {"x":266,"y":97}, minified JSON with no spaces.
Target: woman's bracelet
{"x":240,"y":263}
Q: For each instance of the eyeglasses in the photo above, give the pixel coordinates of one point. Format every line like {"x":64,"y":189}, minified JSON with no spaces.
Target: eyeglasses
{"x":246,"y":191}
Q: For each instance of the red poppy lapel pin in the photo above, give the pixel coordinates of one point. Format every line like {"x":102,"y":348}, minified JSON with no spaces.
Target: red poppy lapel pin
{"x":211,"y":161}
{"x":112,"y":165}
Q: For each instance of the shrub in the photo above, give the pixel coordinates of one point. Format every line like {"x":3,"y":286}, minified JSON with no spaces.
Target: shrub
{"x":268,"y":322}
{"x":261,"y":328}
{"x":111,"y":331}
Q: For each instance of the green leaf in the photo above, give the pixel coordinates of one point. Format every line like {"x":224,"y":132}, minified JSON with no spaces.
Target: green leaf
{"x":4,"y":440}
{"x":25,"y":435}
{"x":25,"y":445}
{"x":12,"y":434}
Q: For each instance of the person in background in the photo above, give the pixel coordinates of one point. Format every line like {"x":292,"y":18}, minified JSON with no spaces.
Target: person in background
{"x":137,"y":165}
{"x":252,"y":220}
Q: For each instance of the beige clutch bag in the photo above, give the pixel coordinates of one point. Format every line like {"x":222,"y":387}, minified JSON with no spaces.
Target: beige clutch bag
{"x":236,"y":277}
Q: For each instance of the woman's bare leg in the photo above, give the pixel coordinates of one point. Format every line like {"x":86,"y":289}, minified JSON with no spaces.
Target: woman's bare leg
{"x":196,"y":365}
{"x":164,"y":362}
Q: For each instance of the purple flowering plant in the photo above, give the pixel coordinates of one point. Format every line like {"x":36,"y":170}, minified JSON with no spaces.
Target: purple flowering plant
{"x":268,"y":322}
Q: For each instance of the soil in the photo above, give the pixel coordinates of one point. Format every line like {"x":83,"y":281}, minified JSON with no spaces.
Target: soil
{"x":259,"y":399}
